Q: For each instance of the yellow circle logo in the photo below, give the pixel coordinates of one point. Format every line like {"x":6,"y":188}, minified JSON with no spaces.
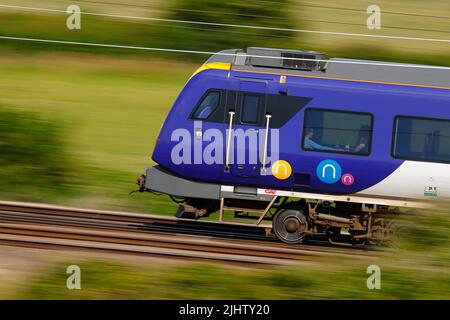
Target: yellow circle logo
{"x":281,"y":169}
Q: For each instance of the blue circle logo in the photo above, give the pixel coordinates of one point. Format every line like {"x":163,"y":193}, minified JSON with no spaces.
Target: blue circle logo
{"x":329,"y":171}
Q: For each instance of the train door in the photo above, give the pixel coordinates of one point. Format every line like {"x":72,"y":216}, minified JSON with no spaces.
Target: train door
{"x":246,"y":121}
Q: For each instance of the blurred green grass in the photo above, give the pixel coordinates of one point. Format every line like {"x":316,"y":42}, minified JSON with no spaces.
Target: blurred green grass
{"x":112,"y":109}
{"x":328,"y":279}
{"x":33,"y":148}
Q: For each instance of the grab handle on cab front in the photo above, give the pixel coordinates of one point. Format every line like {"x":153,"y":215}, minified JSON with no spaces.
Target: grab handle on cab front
{"x":266,"y":141}
{"x":230,"y":129}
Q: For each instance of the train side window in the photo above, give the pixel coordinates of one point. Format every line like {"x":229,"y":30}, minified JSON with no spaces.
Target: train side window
{"x":421,"y":139}
{"x":250,"y":108}
{"x":207,"y":106}
{"x":337,"y":131}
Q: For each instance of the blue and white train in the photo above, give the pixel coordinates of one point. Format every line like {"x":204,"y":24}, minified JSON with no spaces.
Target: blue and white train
{"x":323,"y":147}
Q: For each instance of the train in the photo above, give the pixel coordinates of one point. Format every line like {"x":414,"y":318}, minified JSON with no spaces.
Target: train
{"x":321,"y":148}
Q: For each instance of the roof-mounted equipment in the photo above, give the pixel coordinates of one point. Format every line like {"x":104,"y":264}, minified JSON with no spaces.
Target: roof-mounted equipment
{"x":286,"y":59}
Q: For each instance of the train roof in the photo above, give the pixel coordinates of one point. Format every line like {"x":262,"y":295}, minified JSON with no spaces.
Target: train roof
{"x":313,"y":64}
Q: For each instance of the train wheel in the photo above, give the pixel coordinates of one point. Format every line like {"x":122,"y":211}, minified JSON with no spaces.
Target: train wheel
{"x":290,"y":225}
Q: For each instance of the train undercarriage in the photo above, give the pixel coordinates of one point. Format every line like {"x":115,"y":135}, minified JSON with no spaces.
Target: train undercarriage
{"x":293,"y":219}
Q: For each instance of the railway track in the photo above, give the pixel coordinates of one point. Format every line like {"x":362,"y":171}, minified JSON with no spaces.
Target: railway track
{"x":56,"y":227}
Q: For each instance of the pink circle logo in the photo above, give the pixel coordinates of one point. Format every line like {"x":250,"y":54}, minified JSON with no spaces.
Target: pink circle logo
{"x":347,"y":179}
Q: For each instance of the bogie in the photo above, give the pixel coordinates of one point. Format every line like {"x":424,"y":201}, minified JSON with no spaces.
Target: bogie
{"x":294,"y":221}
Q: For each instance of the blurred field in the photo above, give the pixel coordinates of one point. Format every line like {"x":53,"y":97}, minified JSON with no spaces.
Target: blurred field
{"x":111,"y":110}
{"x":428,"y":19}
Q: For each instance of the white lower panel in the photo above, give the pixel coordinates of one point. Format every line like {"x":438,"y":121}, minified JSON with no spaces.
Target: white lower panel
{"x":415,"y":180}
{"x":413,"y":184}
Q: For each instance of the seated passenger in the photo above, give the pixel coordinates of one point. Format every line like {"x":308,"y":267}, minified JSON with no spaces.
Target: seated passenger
{"x":310,"y":144}
{"x":362,"y":144}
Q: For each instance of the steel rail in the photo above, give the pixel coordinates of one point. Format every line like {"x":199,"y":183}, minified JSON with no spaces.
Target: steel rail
{"x":40,"y":225}
{"x":62,"y":215}
{"x":146,"y":222}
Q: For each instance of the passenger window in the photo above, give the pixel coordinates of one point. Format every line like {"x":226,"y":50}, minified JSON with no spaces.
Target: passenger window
{"x":207,"y":106}
{"x":337,"y":131}
{"x":250,"y":107}
{"x":421,"y":139}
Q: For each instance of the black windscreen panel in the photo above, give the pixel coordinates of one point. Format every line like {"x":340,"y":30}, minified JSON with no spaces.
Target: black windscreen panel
{"x":219,"y":113}
{"x":283,"y":108}
{"x":207,"y":106}
{"x":250,"y":108}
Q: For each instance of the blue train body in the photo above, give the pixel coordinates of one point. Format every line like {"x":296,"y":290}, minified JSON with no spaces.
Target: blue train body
{"x":396,"y":167}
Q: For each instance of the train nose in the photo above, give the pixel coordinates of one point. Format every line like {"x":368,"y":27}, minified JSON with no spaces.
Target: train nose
{"x":141,"y":182}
